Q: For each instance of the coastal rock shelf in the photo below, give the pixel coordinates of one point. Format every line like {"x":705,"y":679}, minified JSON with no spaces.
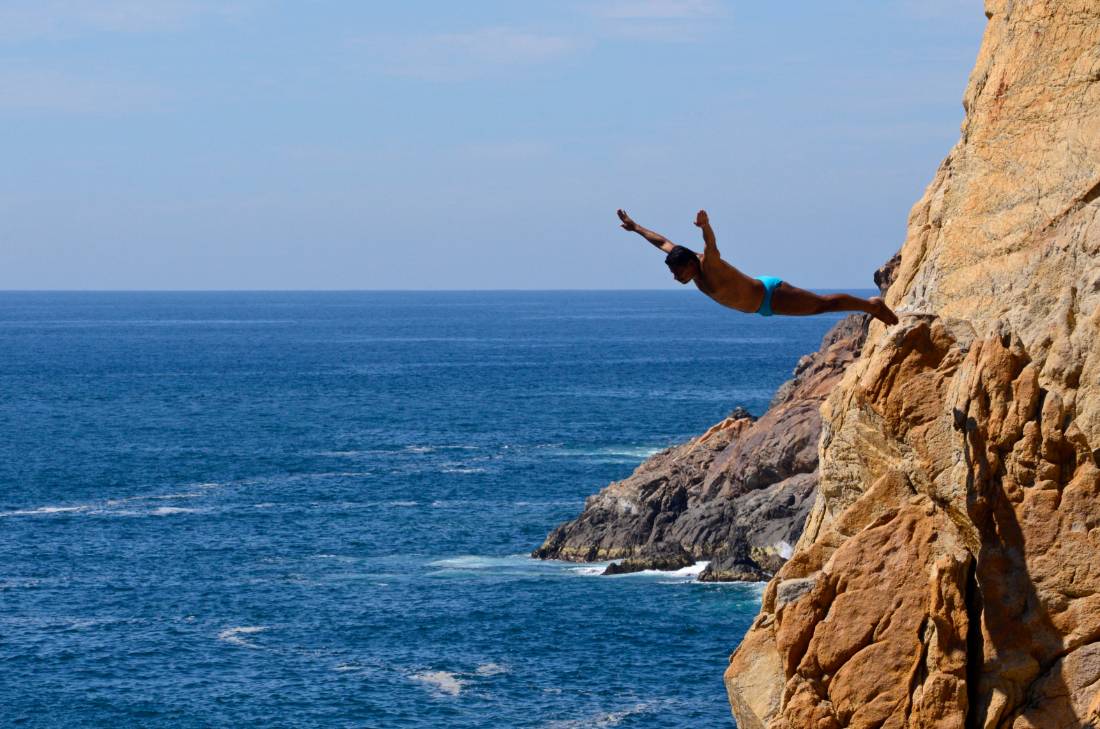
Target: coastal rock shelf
{"x":738,"y":495}
{"x":949,"y":572}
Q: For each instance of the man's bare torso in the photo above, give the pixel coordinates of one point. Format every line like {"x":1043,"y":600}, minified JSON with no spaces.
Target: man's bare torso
{"x":728,"y":286}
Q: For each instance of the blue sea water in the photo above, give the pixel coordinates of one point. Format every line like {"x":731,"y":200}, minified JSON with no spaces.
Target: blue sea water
{"x":314,"y":509}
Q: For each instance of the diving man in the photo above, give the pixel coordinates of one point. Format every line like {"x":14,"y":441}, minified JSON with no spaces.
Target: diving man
{"x":764,"y":295}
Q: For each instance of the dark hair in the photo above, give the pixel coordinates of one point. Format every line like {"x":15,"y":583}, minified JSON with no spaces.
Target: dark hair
{"x":679,"y":257}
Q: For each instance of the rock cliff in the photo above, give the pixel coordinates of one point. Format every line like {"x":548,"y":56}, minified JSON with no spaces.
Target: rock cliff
{"x":949,"y":572}
{"x":737,"y":495}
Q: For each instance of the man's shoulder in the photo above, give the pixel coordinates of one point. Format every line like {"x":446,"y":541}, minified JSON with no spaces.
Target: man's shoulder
{"x":711,"y":260}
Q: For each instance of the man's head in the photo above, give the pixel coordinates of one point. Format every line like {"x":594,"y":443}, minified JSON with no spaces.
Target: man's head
{"x":683,"y":263}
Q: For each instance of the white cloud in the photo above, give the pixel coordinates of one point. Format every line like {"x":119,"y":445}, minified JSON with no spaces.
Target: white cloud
{"x":51,"y":19}
{"x":461,"y":56}
{"x":660,"y":9}
{"x":37,"y":90}
{"x":658,"y":21}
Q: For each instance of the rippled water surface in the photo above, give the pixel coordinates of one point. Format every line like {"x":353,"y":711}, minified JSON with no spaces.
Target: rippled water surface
{"x":313,"y":509}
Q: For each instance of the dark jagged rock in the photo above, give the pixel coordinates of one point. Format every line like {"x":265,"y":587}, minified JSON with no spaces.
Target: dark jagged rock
{"x":668,"y":557}
{"x":887,"y":272}
{"x":737,"y":495}
{"x":734,"y":563}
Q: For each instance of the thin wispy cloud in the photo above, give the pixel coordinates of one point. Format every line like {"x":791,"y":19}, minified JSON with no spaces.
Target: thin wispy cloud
{"x":467,"y":55}
{"x":660,"y":9}
{"x":658,"y":21}
{"x":54,"y":91}
{"x":30,"y":20}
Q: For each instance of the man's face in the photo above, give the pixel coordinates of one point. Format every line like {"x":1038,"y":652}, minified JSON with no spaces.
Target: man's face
{"x":684,"y":274}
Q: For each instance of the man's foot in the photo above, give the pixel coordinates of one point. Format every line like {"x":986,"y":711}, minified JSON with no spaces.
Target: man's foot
{"x":881,"y":311}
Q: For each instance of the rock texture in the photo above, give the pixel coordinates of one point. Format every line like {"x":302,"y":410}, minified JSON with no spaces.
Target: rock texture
{"x":949,"y":573}
{"x":737,"y":495}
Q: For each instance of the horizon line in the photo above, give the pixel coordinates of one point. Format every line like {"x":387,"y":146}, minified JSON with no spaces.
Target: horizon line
{"x":379,"y":291}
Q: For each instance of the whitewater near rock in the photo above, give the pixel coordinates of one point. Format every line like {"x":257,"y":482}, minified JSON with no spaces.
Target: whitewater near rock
{"x":949,"y":573}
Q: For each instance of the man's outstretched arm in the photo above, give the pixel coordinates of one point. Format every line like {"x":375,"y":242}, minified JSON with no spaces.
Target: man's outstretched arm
{"x":655,"y":238}
{"x":711,"y":249}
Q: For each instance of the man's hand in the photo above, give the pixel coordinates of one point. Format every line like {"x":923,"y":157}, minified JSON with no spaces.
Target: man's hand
{"x":701,"y":218}
{"x":628,"y":224}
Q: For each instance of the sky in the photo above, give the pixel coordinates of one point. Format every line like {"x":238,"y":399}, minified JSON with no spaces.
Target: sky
{"x":486,"y":144}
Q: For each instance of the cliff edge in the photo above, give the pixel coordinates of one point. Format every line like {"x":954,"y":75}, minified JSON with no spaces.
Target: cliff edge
{"x":949,"y":572}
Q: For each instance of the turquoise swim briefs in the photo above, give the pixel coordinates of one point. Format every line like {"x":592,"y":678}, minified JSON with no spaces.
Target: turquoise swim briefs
{"x":770,"y":282}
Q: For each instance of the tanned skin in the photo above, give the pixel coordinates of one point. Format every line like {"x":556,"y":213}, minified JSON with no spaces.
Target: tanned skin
{"x":728,"y":286}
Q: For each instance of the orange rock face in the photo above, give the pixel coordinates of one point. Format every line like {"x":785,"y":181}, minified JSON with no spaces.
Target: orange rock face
{"x":949,"y":573}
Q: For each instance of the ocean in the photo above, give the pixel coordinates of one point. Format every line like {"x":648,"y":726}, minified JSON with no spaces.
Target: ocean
{"x":315,"y":509}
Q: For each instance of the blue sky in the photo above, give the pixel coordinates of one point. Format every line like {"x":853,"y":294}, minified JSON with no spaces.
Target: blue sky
{"x":430,"y":144}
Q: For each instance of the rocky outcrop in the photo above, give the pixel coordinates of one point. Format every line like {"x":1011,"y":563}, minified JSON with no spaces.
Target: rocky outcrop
{"x":949,"y":573}
{"x":737,"y":495}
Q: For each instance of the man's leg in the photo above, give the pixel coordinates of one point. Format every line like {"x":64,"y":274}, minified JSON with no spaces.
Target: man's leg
{"x":793,"y":301}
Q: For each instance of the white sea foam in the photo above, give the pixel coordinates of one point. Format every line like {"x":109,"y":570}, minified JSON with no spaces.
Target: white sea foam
{"x":684,"y":574}
{"x":47,"y":510}
{"x":465,"y":562}
{"x":154,"y":497}
{"x":784,"y":549}
{"x":515,"y":565}
{"x":591,"y":570}
{"x":490,"y":669}
{"x":109,"y":507}
{"x":347,"y":667}
{"x":235,"y":635}
{"x":441,"y":681}
{"x":169,"y":510}
{"x":610,"y":718}
{"x":612,"y":453}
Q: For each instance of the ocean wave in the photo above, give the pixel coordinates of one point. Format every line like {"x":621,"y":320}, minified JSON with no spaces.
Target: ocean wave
{"x":684,"y":574}
{"x":98,"y":510}
{"x":462,"y":469}
{"x":613,"y":453}
{"x":443,"y":682}
{"x":154,"y":497}
{"x":591,"y":570}
{"x":235,"y":635}
{"x":48,"y":510}
{"x":110,"y":507}
{"x":347,"y":667}
{"x":169,"y":510}
{"x":512,"y":564}
{"x":604,"y":719}
{"x":490,"y":669}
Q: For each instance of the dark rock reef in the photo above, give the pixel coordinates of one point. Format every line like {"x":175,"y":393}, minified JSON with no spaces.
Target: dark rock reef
{"x":737,"y":495}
